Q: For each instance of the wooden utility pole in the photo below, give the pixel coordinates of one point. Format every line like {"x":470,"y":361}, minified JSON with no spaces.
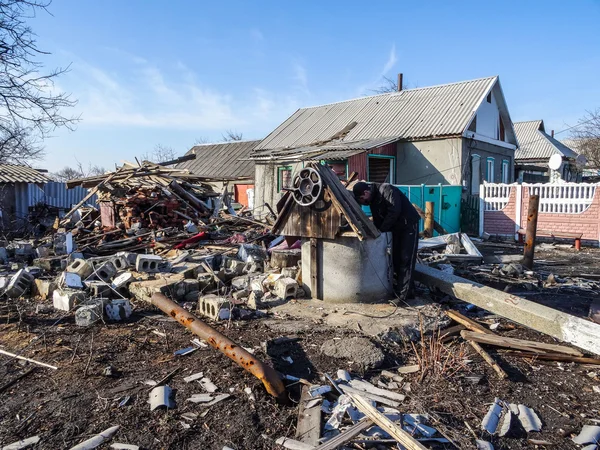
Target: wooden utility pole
{"x":429,"y":220}
{"x":532,"y":218}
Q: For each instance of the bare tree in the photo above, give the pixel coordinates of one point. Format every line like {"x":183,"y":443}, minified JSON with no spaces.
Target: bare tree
{"x":231,"y":135}
{"x":587,"y":135}
{"x":29,"y":108}
{"x":71,"y":173}
{"x":201,"y":141}
{"x":161,"y":153}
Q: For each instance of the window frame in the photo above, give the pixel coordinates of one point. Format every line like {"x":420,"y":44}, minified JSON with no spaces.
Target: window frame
{"x":280,"y":171}
{"x":392,"y":162}
{"x":490,"y":174}
{"x":326,"y":162}
{"x":505,"y":171}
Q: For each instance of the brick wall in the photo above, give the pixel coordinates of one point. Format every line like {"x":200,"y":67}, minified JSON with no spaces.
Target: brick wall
{"x":502,"y":222}
{"x":588,"y":222}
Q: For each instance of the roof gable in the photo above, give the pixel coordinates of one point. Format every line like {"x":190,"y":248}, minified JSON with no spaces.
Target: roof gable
{"x":429,"y":112}
{"x":535,"y":143}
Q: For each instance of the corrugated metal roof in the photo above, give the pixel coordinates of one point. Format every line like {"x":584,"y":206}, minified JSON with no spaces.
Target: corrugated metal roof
{"x":12,"y":173}
{"x":435,"y":111}
{"x":226,"y":160}
{"x":535,"y":144}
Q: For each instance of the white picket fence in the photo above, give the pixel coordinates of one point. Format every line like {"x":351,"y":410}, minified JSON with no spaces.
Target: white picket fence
{"x":564,"y":198}
{"x":495,"y":196}
{"x":568,"y":198}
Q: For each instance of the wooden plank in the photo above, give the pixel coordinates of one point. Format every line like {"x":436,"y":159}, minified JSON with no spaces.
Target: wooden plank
{"x":314,"y":269}
{"x":488,"y":359}
{"x":376,"y":398}
{"x":308,"y":428}
{"x":345,"y":436}
{"x":436,"y":226}
{"x":555,"y":357}
{"x":519,"y":344}
{"x":468,"y":323}
{"x":390,"y":427}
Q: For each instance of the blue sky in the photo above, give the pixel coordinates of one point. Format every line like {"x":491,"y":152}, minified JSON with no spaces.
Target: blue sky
{"x":150,"y":72}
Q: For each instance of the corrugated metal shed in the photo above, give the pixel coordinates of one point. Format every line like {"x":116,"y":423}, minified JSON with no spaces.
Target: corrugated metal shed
{"x":535,"y":144}
{"x":57,"y":195}
{"x":225,"y":160}
{"x":435,"y":111}
{"x":13,"y":173}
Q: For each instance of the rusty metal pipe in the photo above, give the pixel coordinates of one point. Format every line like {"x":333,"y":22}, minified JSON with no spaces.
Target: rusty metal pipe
{"x":532,"y":220}
{"x":269,"y":377}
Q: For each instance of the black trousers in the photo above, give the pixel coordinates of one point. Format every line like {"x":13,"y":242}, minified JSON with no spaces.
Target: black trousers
{"x":404,"y":247}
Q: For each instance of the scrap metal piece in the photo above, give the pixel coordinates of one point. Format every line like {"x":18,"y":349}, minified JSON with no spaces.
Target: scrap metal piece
{"x":194,"y":377}
{"x":161,"y":396}
{"x":201,"y":398}
{"x":590,"y":434}
{"x":119,"y":446}
{"x":97,"y":440}
{"x":491,"y":419}
{"x":266,"y":374}
{"x":529,"y":419}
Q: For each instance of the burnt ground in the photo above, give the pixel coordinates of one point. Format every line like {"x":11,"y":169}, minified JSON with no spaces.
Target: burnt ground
{"x":67,"y":406}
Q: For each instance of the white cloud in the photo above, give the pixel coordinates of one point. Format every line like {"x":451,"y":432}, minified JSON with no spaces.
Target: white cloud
{"x":300,"y":77}
{"x":391,"y":62}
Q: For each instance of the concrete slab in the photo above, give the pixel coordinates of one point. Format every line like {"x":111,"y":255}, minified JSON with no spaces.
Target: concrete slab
{"x":383,"y":320}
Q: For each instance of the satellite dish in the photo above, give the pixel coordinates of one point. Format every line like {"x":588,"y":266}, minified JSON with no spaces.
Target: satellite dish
{"x":555,"y":161}
{"x":580,"y":161}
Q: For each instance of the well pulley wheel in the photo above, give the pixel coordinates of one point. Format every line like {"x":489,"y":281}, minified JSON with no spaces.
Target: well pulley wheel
{"x":307,"y":186}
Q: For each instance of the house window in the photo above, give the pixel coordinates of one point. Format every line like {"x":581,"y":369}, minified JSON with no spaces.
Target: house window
{"x":489,"y":174}
{"x":489,"y":98}
{"x":381,"y":169}
{"x":475,"y":174}
{"x":284,"y":177}
{"x":505,"y":171}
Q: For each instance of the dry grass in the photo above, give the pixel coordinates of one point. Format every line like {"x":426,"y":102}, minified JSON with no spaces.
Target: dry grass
{"x":437,"y":359}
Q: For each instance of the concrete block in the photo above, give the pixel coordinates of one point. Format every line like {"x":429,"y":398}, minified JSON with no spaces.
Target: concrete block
{"x":120,"y":263}
{"x":63,"y":243}
{"x":43,"y":288}
{"x":255,"y":299}
{"x":66,"y":299}
{"x":42,"y":252}
{"x":118,"y":310}
{"x":148,"y":263}
{"x":191,"y":285}
{"x":80,"y":267}
{"x":130,"y":257}
{"x":285,"y":288}
{"x":290,"y":272}
{"x":70,"y":280}
{"x":213,"y":307}
{"x":188,"y":270}
{"x":23,"y":248}
{"x":251,"y":253}
{"x":122,"y":280}
{"x":238,"y":295}
{"x":99,"y":289}
{"x":206,"y":281}
{"x":232,"y":265}
{"x":257,"y":283}
{"x":90,"y":313}
{"x":239,"y":283}
{"x":169,"y":285}
{"x":19,"y":284}
{"x":254,"y":267}
{"x":106,"y":271}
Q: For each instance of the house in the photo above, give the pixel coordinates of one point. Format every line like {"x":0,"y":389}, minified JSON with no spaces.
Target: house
{"x":225,"y":162}
{"x":17,"y":184}
{"x":536,"y":148}
{"x":458,"y":133}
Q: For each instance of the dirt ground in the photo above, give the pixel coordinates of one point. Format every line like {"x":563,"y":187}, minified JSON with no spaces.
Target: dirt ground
{"x":71,"y":404}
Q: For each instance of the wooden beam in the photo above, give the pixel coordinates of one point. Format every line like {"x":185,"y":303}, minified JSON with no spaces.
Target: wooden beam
{"x":565,"y":327}
{"x":468,"y":323}
{"x":488,"y":359}
{"x":339,"y":440}
{"x":314,"y":268}
{"x":518,"y":344}
{"x":555,"y":357}
{"x":390,"y":427}
{"x":436,"y":226}
{"x":308,"y":428}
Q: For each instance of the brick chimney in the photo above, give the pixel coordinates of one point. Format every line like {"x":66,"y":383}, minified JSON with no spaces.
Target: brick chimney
{"x":400,"y":76}
{"x":552,"y":133}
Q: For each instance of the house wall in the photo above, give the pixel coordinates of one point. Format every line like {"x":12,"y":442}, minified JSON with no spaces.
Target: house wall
{"x":429,"y":162}
{"x":488,"y":121}
{"x":265,"y":186}
{"x":358,"y":163}
{"x":486,"y":150}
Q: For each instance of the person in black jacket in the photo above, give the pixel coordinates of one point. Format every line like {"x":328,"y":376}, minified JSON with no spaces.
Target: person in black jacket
{"x":392,"y":211}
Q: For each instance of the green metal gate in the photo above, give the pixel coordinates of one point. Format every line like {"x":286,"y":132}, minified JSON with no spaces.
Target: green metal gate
{"x":469,"y":215}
